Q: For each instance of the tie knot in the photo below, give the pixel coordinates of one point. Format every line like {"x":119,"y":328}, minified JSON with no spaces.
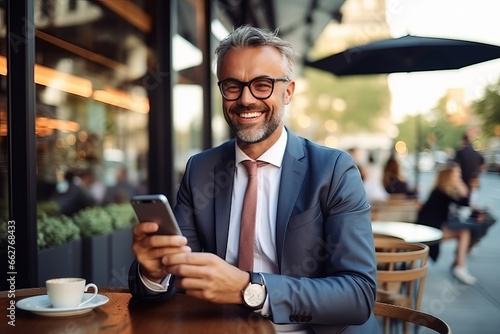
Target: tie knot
{"x":252,"y":166}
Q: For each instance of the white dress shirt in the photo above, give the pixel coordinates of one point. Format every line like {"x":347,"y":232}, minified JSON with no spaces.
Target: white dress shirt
{"x":268,"y":177}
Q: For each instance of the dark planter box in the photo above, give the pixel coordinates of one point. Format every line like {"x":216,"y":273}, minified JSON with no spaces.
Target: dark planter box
{"x":121,"y":256}
{"x":60,"y":261}
{"x":96,"y":259}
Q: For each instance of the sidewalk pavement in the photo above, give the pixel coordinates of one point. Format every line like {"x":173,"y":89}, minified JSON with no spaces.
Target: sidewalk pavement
{"x":469,"y":309}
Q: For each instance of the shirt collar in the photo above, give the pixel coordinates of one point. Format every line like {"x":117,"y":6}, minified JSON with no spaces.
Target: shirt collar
{"x":274,"y":155}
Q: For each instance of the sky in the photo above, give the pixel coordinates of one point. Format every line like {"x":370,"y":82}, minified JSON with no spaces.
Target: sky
{"x":474,"y":20}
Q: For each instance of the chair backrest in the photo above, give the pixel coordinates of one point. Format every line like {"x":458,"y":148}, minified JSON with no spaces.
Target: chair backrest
{"x":397,"y":207}
{"x":409,"y":315}
{"x":403,"y":265}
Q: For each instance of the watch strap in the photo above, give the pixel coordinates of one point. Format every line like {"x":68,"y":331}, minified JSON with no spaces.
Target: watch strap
{"x":256,"y":278}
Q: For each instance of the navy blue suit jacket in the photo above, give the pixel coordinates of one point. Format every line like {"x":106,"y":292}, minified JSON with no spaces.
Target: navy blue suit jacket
{"x":324,"y":239}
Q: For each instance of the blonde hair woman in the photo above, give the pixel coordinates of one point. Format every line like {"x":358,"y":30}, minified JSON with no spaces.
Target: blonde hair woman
{"x":448,"y":189}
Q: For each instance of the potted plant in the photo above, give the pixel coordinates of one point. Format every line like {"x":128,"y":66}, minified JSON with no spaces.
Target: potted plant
{"x":121,"y":255}
{"x":59,"y":248}
{"x":95,"y":224}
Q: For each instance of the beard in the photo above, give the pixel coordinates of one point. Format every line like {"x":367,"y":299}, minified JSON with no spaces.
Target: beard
{"x":247,"y":133}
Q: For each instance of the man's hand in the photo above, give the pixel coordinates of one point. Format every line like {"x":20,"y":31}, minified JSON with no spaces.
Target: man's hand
{"x":150,"y":249}
{"x":207,"y":276}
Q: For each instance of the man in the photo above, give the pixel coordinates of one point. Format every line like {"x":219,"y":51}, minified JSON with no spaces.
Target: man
{"x":314,"y":251}
{"x":469,"y":160}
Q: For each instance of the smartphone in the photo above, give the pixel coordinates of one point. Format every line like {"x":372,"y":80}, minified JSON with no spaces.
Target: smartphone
{"x":156,"y":208}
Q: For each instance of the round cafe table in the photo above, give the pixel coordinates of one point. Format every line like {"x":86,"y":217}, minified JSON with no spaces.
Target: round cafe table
{"x":122,"y":314}
{"x":409,"y":232}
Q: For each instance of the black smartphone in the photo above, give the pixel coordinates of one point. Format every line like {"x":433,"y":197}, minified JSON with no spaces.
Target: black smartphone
{"x":156,"y":208}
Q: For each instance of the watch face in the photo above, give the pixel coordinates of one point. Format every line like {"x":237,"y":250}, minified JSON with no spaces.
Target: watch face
{"x":254,"y":295}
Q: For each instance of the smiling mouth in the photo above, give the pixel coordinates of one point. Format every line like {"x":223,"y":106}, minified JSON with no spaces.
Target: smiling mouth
{"x":248,"y":115}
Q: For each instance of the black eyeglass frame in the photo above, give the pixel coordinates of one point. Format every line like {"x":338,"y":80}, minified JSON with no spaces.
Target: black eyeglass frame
{"x":248,"y":84}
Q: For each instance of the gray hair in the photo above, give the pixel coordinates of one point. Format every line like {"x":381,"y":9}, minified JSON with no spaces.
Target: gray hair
{"x":247,"y":36}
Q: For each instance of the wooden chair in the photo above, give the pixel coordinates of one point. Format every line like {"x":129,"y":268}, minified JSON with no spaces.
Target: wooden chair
{"x":411,"y":316}
{"x":401,"y":273}
{"x":397,"y":207}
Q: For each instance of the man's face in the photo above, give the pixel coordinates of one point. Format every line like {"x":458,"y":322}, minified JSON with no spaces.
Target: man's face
{"x":251,"y":119}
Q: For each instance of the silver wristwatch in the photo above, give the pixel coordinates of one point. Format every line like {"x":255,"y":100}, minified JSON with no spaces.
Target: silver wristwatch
{"x":255,"y":293}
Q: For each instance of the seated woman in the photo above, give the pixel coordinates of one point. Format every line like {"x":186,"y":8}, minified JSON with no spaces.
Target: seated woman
{"x":448,"y":189}
{"x":393,"y":181}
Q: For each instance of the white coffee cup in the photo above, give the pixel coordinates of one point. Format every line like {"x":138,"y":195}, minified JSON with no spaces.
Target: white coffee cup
{"x":68,"y":292}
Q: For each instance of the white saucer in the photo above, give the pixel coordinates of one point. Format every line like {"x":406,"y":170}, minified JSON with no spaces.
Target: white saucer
{"x":41,"y":305}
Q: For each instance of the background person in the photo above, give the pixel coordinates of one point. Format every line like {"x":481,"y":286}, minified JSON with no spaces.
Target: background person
{"x":471,"y":162}
{"x":449,"y":189}
{"x":393,"y":180}
{"x":356,"y":155}
{"x":93,"y":185}
{"x":123,"y":189}
{"x":372,"y":180}
{"x":314,"y":250}
{"x":71,"y":196}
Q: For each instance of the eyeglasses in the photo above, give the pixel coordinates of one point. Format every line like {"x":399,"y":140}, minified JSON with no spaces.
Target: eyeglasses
{"x":261,"y":88}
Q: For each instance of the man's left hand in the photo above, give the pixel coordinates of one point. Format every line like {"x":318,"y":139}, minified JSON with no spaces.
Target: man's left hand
{"x":207,"y":276}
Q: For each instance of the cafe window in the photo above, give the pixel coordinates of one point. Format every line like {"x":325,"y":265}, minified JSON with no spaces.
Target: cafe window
{"x":96,"y":88}
{"x":189,"y":63}
{"x":91,"y":105}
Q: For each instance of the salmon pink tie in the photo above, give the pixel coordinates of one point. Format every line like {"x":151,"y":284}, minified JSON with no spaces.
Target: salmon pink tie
{"x":248,"y":217}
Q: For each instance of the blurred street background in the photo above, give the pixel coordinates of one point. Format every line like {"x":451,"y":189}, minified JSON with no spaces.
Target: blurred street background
{"x":467,"y":309}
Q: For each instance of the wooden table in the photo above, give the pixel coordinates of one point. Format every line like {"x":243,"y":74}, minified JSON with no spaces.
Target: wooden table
{"x":409,"y":232}
{"x":181,"y":314}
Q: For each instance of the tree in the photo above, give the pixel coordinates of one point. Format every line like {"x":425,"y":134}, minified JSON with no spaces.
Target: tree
{"x":356,"y":104}
{"x":444,"y":130}
{"x":434,"y":130}
{"x":488,"y":109}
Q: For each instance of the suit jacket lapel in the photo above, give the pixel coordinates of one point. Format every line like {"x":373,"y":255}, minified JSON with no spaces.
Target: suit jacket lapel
{"x":223,"y":188}
{"x":292,"y":176}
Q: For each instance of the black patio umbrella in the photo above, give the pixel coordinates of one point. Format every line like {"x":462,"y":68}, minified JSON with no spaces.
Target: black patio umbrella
{"x":407,"y":54}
